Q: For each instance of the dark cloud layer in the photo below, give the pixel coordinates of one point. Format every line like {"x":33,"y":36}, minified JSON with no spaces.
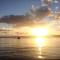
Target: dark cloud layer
{"x":40,"y":12}
{"x":18,"y":20}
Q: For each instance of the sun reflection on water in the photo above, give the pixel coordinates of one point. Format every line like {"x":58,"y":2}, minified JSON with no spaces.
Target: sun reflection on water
{"x":40,"y":42}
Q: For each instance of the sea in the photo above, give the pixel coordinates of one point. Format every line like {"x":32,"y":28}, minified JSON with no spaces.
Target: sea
{"x":37,"y":48}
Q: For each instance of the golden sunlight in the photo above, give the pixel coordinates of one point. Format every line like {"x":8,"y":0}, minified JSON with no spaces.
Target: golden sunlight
{"x":40,"y":31}
{"x":40,"y":42}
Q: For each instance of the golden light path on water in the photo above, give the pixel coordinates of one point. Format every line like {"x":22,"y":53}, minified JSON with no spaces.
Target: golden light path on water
{"x":40,"y":42}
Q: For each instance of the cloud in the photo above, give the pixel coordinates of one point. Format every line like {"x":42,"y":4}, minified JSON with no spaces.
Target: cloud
{"x":38,"y":13}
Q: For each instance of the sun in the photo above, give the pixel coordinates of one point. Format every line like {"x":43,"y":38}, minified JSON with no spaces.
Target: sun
{"x":40,"y":31}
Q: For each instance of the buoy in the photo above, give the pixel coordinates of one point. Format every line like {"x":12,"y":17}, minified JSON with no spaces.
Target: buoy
{"x":18,"y":37}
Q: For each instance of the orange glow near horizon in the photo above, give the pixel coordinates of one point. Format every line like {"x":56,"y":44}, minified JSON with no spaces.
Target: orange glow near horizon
{"x":40,"y":31}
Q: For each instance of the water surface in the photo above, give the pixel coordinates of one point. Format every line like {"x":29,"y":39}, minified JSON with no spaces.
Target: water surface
{"x":29,"y":47}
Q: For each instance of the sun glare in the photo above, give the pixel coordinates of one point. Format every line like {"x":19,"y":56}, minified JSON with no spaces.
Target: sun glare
{"x":40,"y":42}
{"x":40,"y":31}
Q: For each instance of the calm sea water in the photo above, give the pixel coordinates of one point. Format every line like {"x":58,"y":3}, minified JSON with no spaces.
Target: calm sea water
{"x":27,"y":47}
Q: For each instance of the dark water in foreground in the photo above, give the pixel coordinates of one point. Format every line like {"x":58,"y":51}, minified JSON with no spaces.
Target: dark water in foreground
{"x":27,"y":48}
{"x":32,"y":52}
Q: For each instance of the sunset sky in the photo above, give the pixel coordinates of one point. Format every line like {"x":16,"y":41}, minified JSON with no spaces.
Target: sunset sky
{"x":20,"y":7}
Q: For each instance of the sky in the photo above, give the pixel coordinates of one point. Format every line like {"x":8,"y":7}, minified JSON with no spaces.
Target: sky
{"x":19,"y":7}
{"x":16,"y":7}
